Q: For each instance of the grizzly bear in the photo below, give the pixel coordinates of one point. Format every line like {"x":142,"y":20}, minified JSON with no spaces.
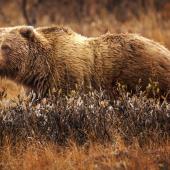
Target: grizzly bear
{"x":56,"y":57}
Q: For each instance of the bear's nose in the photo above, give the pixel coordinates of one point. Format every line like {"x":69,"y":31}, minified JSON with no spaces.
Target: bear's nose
{"x":5,"y":48}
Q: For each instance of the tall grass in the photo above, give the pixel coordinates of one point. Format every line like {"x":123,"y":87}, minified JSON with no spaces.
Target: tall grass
{"x":85,"y":131}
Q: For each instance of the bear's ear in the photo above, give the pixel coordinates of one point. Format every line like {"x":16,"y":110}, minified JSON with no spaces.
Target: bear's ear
{"x":27,"y":32}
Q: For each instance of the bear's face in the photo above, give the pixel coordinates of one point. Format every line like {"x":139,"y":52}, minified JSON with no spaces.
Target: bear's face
{"x":14,"y":49}
{"x":19,"y":50}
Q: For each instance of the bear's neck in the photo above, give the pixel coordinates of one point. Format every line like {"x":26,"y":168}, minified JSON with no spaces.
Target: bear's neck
{"x":74,"y":61}
{"x":39,"y":75}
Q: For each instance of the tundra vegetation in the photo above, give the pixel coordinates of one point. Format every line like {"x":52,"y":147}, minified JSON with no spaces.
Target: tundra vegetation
{"x":92,"y":130}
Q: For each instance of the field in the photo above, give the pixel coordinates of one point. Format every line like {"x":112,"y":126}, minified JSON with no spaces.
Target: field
{"x":85,"y":131}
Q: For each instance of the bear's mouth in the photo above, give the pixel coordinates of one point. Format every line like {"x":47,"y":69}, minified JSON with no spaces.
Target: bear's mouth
{"x":3,"y":72}
{"x":3,"y":61}
{"x":2,"y":66}
{"x":6,"y":71}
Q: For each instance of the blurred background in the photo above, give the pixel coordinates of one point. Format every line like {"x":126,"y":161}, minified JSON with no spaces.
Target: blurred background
{"x":150,"y":18}
{"x":91,"y":17}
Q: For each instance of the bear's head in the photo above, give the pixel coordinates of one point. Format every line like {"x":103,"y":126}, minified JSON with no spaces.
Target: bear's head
{"x":23,"y":53}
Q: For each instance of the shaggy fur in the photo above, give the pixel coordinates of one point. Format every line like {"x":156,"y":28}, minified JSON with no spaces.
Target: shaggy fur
{"x":56,"y":57}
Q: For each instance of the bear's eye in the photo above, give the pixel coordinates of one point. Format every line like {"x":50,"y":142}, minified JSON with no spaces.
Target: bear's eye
{"x":6,"y":48}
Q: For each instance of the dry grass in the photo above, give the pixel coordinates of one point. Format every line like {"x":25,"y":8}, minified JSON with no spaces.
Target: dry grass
{"x":116,"y":156}
{"x":86,"y":131}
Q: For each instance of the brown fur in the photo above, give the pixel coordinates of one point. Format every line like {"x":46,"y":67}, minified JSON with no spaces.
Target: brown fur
{"x":49,"y":57}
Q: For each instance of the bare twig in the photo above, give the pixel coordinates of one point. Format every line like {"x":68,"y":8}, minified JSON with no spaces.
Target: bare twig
{"x":30,"y":16}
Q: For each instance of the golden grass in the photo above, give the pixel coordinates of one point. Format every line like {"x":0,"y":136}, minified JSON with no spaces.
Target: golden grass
{"x":9,"y":89}
{"x":39,"y":156}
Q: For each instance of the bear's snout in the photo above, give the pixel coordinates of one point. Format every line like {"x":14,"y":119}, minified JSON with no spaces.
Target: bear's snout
{"x":5,"y":49}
